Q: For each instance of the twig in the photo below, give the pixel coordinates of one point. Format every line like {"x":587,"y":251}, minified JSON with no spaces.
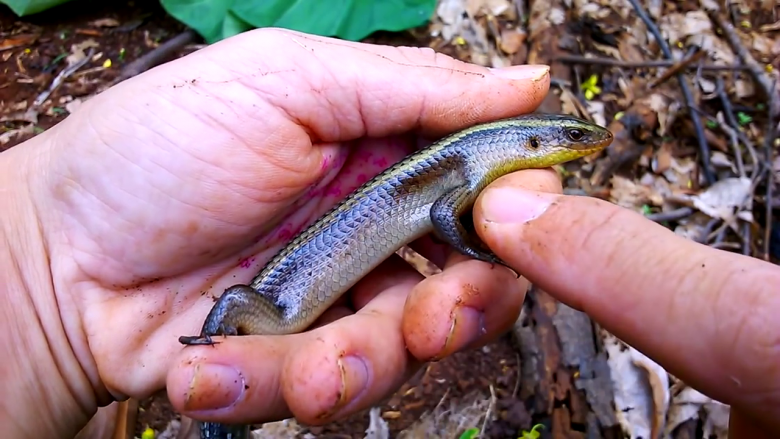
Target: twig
{"x":558,"y":82}
{"x":672,"y":215}
{"x":520,"y":9}
{"x":654,"y":64}
{"x":730,"y":33}
{"x":733,"y":129}
{"x":676,"y":68}
{"x":704,"y":148}
{"x":728,"y":109}
{"x":441,"y":401}
{"x":704,"y":237}
{"x":767,"y":86}
{"x":156,"y":56}
{"x":732,"y":132}
{"x":519,"y":375}
{"x":66,"y":72}
{"x":725,"y":245}
{"x":489,"y":410}
{"x":720,"y":233}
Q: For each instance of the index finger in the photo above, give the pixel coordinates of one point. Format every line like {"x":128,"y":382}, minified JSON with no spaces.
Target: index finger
{"x":708,"y":316}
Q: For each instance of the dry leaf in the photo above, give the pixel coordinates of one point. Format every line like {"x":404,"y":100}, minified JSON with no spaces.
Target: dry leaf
{"x":689,"y":404}
{"x":10,"y":134}
{"x":626,"y":193}
{"x":512,"y":40}
{"x":104,"y":22}
{"x":722,"y":199}
{"x":662,"y":160}
{"x":377,"y":427}
{"x":744,"y":88}
{"x":17,"y":41}
{"x":77,"y":51}
{"x":639,"y":385}
{"x":597,"y":111}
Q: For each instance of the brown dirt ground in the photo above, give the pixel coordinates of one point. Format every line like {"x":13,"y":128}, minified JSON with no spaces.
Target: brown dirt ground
{"x":29,"y":68}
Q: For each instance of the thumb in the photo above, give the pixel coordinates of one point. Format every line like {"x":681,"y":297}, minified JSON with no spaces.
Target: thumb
{"x":708,"y":316}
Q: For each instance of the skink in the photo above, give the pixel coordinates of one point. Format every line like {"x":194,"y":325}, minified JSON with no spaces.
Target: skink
{"x":427,"y":192}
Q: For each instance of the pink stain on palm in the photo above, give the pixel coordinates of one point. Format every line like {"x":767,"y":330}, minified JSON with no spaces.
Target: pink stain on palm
{"x":363,"y":156}
{"x":381,"y":162}
{"x":286,"y":233}
{"x":334,"y":190}
{"x":246,"y":262}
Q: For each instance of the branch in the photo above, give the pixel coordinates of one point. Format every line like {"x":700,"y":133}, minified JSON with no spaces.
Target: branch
{"x":704,"y":148}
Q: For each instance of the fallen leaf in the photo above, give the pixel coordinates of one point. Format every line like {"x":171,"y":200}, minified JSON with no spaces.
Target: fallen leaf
{"x":18,"y":41}
{"x":688,"y":404}
{"x":639,"y":387}
{"x":10,"y":134}
{"x":77,"y":51}
{"x":626,"y":193}
{"x":722,"y":199}
{"x":744,"y":88}
{"x":377,"y":427}
{"x":512,"y":40}
{"x":662,"y":160}
{"x":104,"y":22}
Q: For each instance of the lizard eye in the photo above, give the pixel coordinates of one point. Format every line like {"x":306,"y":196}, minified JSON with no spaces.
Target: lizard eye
{"x":575,"y":134}
{"x":534,"y":142}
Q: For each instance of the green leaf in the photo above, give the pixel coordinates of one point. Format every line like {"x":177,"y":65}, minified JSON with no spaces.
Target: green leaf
{"x":470,"y":433}
{"x":533,"y":434}
{"x":204,"y":16}
{"x":346,"y":19}
{"x":29,"y":7}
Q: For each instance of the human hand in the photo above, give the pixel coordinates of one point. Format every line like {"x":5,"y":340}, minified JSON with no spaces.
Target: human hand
{"x":708,"y":316}
{"x":130,"y":215}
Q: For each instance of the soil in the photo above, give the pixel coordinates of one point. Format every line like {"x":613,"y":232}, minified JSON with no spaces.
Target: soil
{"x":29,"y":68}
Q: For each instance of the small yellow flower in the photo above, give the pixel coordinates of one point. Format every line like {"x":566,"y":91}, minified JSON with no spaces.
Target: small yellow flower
{"x":147,"y":434}
{"x":591,"y":88}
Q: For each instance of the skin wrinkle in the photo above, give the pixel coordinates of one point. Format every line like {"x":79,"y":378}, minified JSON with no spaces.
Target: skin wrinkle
{"x":341,"y":120}
{"x":78,"y":225}
{"x":592,"y":239}
{"x":289,"y":110}
{"x":718,"y":299}
{"x":314,"y":119}
{"x":56,"y":360}
{"x":185,"y":151}
{"x":296,"y":178}
{"x":766,"y":348}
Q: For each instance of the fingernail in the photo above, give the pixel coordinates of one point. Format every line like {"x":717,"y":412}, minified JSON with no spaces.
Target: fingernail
{"x":213,"y":387}
{"x":532,"y":72}
{"x":354,"y":380}
{"x":514,"y":205}
{"x":468,"y":325}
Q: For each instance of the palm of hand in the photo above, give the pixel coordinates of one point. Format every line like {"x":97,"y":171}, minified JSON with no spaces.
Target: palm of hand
{"x":172,"y":186}
{"x":171,"y":222}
